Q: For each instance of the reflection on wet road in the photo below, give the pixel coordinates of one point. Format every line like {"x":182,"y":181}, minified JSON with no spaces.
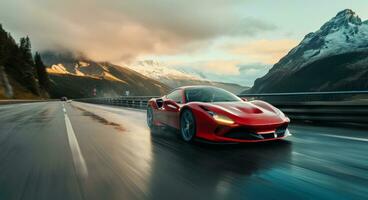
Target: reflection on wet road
{"x":125,"y":161}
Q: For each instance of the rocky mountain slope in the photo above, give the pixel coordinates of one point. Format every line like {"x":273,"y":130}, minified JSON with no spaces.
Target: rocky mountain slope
{"x":76,"y":77}
{"x":335,"y":57}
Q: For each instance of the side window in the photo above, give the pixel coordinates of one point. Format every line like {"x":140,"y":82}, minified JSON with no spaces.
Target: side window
{"x":175,"y":96}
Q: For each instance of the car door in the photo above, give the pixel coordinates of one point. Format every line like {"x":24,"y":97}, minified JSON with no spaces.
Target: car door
{"x":171,"y":106}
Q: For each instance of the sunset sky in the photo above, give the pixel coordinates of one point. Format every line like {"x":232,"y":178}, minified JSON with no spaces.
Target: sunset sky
{"x":233,"y":41}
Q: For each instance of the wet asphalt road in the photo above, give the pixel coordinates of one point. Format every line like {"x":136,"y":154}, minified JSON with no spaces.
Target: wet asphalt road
{"x":99,"y":152}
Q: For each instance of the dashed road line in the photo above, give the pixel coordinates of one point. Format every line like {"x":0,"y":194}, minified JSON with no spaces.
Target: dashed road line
{"x":78,"y":159}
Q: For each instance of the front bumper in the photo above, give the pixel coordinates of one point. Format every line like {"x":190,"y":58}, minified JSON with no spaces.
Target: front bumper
{"x":253,"y":137}
{"x":242,"y":134}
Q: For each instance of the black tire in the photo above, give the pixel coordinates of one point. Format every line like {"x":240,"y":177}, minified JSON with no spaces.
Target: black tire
{"x":187,"y":126}
{"x":149,"y":116}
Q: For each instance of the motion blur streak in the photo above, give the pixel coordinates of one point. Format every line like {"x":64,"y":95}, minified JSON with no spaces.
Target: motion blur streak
{"x":131,"y":163}
{"x":348,"y":138}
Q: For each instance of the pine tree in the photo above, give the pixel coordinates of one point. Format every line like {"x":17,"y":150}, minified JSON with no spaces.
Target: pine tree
{"x":43,"y":77}
{"x":3,"y":46}
{"x":25,"y":47}
{"x":27,"y":68}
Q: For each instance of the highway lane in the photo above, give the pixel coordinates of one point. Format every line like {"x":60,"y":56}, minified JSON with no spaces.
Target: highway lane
{"x":85,"y":151}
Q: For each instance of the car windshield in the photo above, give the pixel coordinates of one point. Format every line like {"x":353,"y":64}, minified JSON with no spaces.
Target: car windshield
{"x":209,"y":94}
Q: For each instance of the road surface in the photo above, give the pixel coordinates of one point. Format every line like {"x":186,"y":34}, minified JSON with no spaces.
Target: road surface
{"x":52,"y":150}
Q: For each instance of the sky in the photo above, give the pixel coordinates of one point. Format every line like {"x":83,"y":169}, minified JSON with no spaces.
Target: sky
{"x":224,"y":40}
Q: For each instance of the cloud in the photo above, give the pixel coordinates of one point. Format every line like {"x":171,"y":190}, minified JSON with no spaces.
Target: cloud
{"x":122,"y":30}
{"x":219,"y":67}
{"x":245,"y":74}
{"x":265,"y":51}
{"x":224,"y":67}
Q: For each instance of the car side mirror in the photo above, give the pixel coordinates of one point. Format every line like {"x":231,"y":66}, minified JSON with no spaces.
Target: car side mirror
{"x":159,"y":103}
{"x":244,"y":99}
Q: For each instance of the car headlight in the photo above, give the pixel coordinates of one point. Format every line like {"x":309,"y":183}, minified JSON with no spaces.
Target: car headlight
{"x":222,"y":119}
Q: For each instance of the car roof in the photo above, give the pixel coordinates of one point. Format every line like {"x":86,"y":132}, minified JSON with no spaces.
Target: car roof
{"x":196,"y":86}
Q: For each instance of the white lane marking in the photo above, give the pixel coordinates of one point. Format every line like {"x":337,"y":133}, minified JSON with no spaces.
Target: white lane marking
{"x":346,"y":137}
{"x":64,"y":110}
{"x":78,"y":158}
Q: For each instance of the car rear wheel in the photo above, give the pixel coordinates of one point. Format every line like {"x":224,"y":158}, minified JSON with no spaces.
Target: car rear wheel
{"x":150,"y":123}
{"x":187,"y":126}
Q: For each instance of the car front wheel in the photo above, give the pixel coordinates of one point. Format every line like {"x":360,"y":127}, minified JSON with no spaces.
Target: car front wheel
{"x":150,"y":123}
{"x":187,"y":126}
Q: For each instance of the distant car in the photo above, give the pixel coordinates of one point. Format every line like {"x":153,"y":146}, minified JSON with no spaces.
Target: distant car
{"x":216,"y":115}
{"x":64,"y":99}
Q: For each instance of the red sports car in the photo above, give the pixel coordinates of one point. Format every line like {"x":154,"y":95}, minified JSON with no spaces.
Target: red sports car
{"x":216,"y":115}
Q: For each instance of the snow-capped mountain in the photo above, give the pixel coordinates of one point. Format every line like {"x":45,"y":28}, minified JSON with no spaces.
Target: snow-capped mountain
{"x":332,"y":58}
{"x":159,"y":71}
{"x":343,"y":33}
{"x":176,"y":77}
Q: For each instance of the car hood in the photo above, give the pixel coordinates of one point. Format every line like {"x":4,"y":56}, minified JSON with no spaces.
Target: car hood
{"x":246,"y":112}
{"x":239,"y":108}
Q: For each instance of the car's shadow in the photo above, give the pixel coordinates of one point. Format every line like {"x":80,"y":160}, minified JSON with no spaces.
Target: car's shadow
{"x":242,"y":158}
{"x":205,"y":166}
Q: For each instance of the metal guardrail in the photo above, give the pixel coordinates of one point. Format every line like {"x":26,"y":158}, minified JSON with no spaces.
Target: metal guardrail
{"x":312,"y":106}
{"x":139,"y":102}
{"x":309,"y":96}
{"x":308,"y":93}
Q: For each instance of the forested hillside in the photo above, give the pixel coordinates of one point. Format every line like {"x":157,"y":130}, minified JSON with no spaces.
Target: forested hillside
{"x":21,"y":74}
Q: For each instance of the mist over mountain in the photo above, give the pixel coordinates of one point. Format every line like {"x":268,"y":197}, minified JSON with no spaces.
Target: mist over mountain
{"x":176,"y":77}
{"x":335,"y":57}
{"x":78,"y":77}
